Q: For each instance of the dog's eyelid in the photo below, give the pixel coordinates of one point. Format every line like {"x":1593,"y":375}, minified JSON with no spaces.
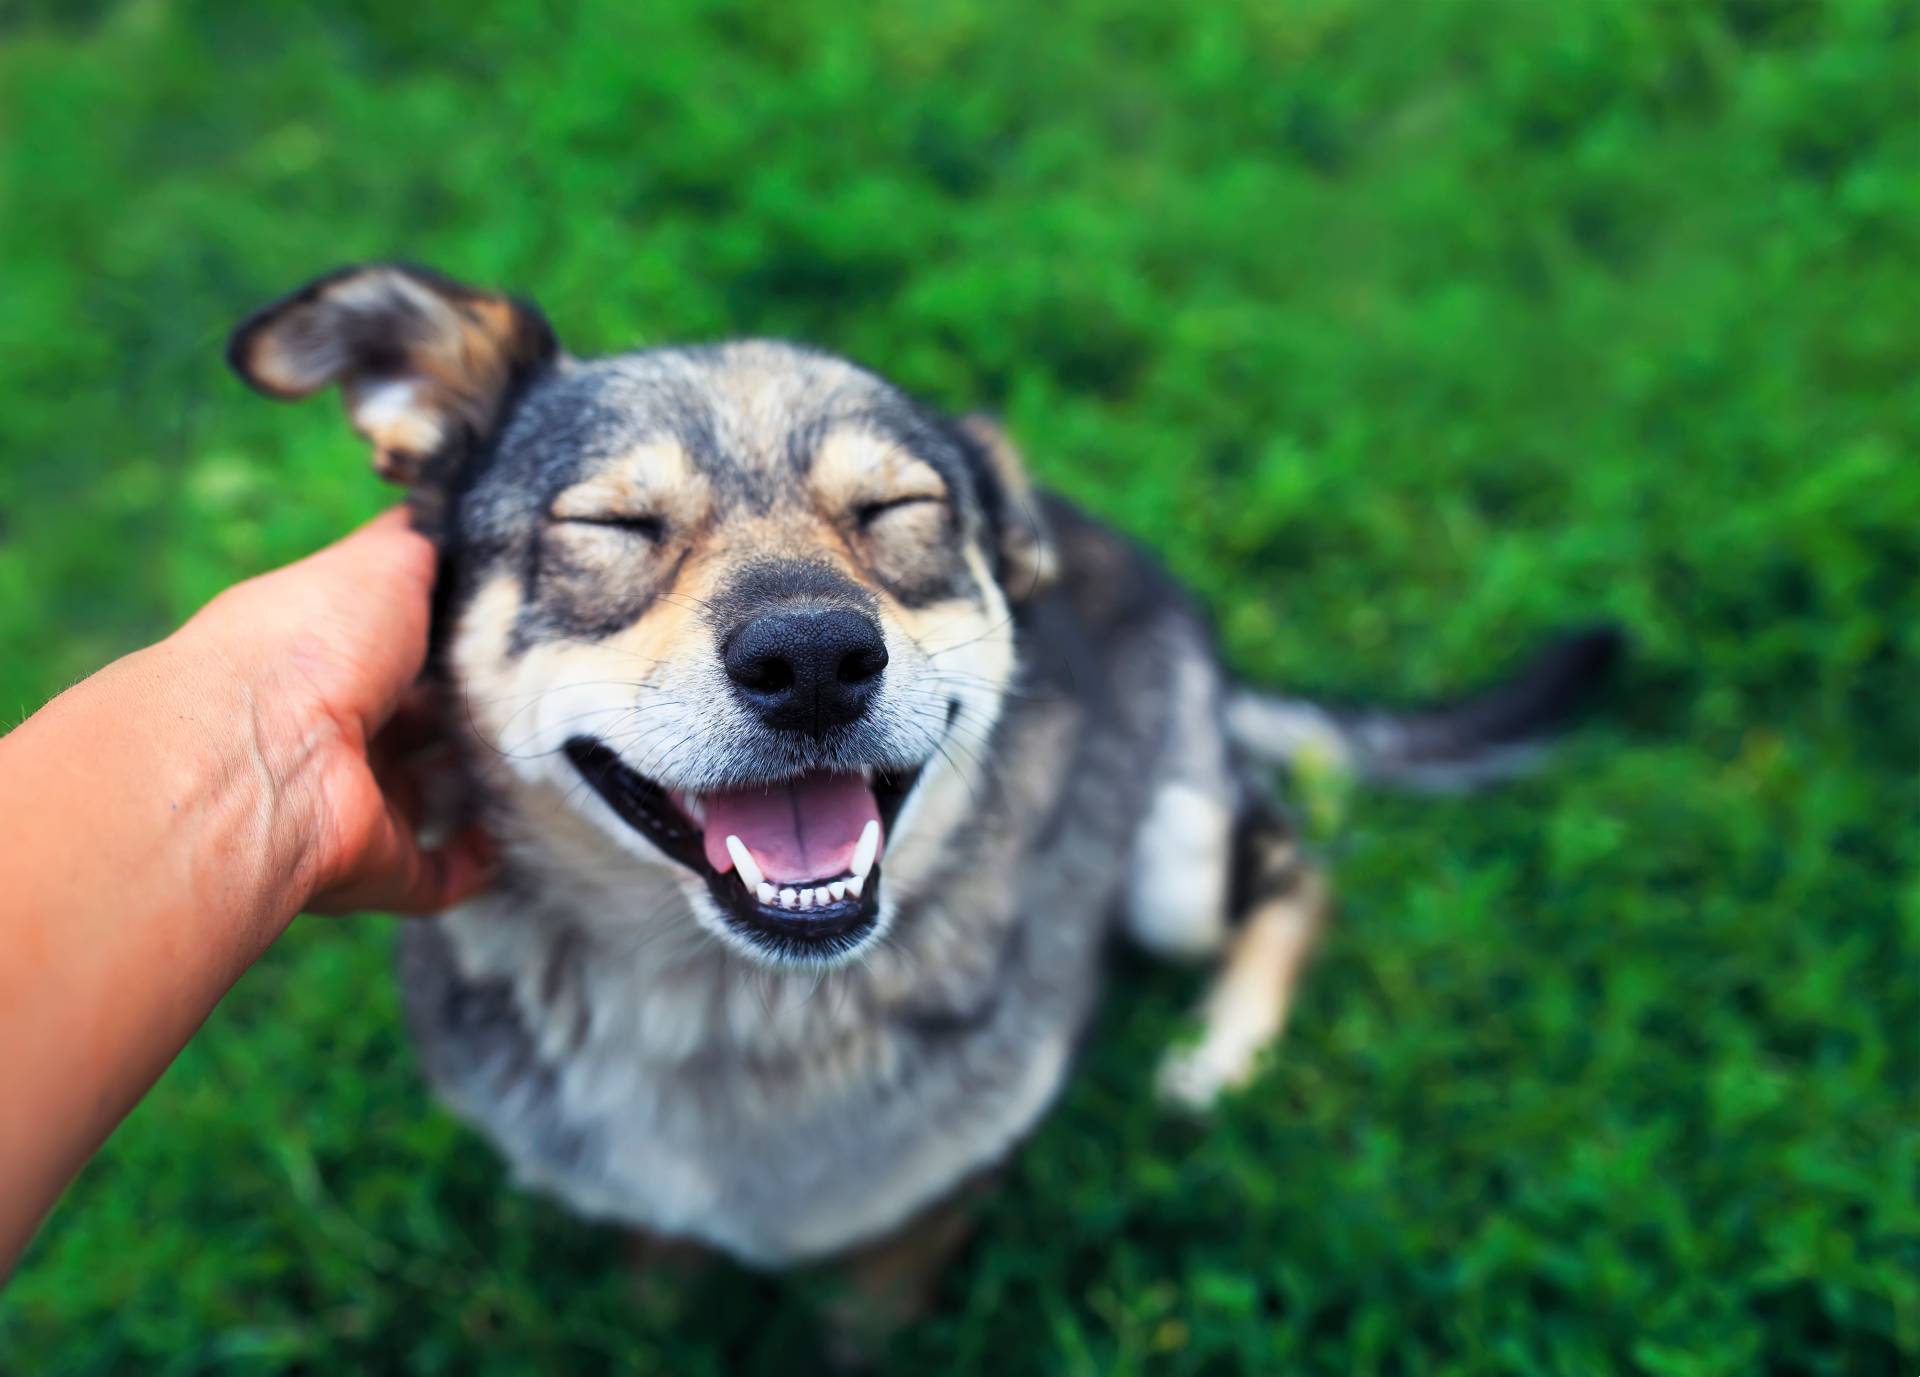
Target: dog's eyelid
{"x":869,"y":512}
{"x":654,"y":528}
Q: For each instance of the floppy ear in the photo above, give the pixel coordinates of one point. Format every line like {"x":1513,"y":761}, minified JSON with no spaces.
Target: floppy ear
{"x":1028,"y":562}
{"x":423,"y":362}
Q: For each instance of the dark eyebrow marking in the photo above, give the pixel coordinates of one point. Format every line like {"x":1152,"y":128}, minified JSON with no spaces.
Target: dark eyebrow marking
{"x":804,"y":442}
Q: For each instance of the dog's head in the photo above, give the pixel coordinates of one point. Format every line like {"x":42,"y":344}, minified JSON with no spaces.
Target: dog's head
{"x":734,"y":617}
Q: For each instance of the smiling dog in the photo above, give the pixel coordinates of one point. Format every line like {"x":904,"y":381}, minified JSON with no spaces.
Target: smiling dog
{"x":824,"y":754}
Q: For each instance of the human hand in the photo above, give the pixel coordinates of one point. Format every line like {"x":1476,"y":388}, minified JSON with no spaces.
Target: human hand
{"x":167,"y":817}
{"x":327,"y":651}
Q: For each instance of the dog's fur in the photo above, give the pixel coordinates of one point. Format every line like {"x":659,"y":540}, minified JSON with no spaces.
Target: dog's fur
{"x":606,"y":527}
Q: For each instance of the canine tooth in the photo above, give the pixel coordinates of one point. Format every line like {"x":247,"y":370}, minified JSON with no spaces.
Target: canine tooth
{"x":854,"y":884}
{"x":750,"y":873}
{"x":806,"y":898}
{"x":766,"y":892}
{"x":838,"y":889}
{"x":787,"y":897}
{"x":866,"y":850}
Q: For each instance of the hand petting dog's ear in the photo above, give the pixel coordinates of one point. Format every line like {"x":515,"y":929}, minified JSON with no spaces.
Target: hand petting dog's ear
{"x":332,"y":647}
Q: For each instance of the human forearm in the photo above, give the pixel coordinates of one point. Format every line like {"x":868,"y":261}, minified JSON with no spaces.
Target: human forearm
{"x":155,"y":835}
{"x":161,"y":823}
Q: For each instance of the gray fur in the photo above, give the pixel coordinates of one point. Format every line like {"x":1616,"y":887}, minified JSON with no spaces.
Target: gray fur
{"x":1493,"y":735}
{"x":783,"y":1115}
{"x":1081,"y":758}
{"x":646,"y":1074}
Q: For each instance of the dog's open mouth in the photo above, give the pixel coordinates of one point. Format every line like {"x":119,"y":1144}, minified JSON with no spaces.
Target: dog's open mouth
{"x":794,"y":864}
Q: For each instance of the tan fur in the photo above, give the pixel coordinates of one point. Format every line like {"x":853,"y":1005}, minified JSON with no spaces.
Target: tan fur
{"x":460,"y":347}
{"x":666,"y":641}
{"x":1028,"y":550}
{"x":398,"y":421}
{"x":1246,"y":1008}
{"x":854,"y":466}
{"x":655,"y":479}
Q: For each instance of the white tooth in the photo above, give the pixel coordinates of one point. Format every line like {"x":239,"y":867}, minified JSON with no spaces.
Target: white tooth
{"x":854,"y":883}
{"x":821,"y":898}
{"x":787,"y":897}
{"x":838,"y":889}
{"x":766,"y":892}
{"x":865,"y":850}
{"x":806,"y":898}
{"x":743,"y":861}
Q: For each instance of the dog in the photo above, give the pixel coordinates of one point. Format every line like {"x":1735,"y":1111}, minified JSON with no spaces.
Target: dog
{"x":825,"y":754}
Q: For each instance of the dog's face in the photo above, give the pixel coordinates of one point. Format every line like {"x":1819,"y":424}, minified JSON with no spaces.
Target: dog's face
{"x":731,"y":616}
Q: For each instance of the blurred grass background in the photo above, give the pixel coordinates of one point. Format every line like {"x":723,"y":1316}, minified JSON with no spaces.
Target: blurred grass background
{"x":1405,"y":333}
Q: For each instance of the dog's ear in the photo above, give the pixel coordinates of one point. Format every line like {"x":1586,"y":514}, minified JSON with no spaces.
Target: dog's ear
{"x":423,"y":362}
{"x":1028,"y":562}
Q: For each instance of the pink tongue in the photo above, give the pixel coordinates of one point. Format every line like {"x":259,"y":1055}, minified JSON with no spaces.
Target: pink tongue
{"x":804,"y":829}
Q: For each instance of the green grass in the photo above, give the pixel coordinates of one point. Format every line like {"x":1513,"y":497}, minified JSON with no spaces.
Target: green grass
{"x":1405,"y":332}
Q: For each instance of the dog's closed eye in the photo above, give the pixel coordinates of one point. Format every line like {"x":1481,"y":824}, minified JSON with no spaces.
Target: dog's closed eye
{"x":650,"y":528}
{"x":648,"y":494}
{"x":867,"y":513}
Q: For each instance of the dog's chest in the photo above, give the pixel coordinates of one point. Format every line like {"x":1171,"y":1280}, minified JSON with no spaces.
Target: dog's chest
{"x":778,"y":1117}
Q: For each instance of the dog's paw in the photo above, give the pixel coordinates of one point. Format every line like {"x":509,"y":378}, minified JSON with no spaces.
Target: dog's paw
{"x":1193,"y":1078}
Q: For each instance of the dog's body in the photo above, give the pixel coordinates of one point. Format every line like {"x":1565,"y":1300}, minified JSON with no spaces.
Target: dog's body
{"x":642,"y":559}
{"x":783,"y":1115}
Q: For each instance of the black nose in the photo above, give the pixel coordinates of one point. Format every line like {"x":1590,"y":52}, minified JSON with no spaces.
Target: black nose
{"x":806,"y":671}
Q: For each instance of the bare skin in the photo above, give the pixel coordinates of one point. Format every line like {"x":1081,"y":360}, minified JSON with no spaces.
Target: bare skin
{"x":165,"y":819}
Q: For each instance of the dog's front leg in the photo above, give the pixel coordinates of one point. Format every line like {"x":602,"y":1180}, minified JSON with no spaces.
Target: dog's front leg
{"x":1280,"y":903}
{"x":890,"y":1284}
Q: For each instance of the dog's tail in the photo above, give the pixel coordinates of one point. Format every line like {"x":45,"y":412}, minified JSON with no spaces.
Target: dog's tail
{"x":1487,"y":736}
